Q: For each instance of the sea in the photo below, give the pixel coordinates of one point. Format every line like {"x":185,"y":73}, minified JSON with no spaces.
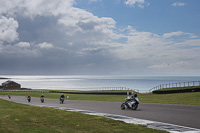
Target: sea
{"x":98,"y":82}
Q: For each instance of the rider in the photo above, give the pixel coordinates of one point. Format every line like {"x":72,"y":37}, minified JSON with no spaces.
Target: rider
{"x":133,"y":97}
{"x":42,"y":95}
{"x":62,"y":96}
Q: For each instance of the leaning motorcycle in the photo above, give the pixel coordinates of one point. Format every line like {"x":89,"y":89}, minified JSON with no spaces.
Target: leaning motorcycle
{"x":130,"y":103}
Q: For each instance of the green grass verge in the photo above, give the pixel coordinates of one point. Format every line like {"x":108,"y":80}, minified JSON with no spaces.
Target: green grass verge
{"x":19,"y":118}
{"x":191,"y":98}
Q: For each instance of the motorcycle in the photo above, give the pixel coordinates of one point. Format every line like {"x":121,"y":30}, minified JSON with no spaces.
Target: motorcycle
{"x":29,"y":99}
{"x":62,"y":100}
{"x":42,"y":99}
{"x":130,"y":103}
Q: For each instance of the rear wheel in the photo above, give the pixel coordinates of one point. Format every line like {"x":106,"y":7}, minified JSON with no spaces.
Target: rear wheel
{"x":134,"y":106}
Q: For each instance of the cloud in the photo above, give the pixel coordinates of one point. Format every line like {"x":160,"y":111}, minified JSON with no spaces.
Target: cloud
{"x":45,"y":45}
{"x":33,"y":8}
{"x":139,"y":3}
{"x":176,"y":4}
{"x":154,"y":51}
{"x":8,"y":27}
{"x":23,"y":44}
{"x":178,"y":33}
{"x":70,"y":40}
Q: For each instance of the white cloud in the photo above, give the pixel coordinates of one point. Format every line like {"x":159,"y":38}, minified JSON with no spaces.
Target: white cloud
{"x":77,"y":36}
{"x":23,"y":44}
{"x":8,"y":27}
{"x":175,"y":4}
{"x":158,"y":51}
{"x":178,"y":33}
{"x":45,"y":45}
{"x":139,"y":3}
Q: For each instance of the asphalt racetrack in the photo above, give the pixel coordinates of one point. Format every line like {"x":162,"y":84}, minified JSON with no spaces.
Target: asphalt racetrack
{"x":183,"y":115}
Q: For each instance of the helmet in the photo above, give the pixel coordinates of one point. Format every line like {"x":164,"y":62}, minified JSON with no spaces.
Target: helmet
{"x":135,"y":95}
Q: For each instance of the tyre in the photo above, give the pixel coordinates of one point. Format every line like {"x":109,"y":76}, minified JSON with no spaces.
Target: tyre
{"x":123,"y":106}
{"x":42,"y":100}
{"x":134,"y":106}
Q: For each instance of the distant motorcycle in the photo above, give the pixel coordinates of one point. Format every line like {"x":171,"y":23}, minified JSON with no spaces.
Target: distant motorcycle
{"x":29,"y":99}
{"x":42,"y":99}
{"x":130,"y":103}
{"x":62,"y":100}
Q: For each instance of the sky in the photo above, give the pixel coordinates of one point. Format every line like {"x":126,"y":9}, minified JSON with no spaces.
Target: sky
{"x":100,"y":37}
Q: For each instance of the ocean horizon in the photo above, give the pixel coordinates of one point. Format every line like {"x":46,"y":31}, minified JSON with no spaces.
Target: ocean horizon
{"x":95,"y":82}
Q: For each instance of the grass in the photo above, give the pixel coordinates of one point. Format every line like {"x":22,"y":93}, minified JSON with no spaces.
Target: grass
{"x":19,"y":118}
{"x":191,"y":98}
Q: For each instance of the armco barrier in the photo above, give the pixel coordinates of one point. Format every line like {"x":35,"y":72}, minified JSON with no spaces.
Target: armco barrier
{"x":177,"y":91}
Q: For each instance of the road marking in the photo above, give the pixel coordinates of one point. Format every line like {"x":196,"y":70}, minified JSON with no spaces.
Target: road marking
{"x":150,"y":124}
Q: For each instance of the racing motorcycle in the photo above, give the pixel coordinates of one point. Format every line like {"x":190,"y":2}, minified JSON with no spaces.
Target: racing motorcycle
{"x":29,"y":99}
{"x":62,"y":100}
{"x":131,"y":103}
{"x":42,"y":99}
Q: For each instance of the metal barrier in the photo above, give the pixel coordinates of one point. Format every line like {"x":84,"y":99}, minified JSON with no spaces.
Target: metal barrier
{"x":175,"y":85}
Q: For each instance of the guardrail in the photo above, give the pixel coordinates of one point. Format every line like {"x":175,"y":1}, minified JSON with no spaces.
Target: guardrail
{"x":174,"y":85}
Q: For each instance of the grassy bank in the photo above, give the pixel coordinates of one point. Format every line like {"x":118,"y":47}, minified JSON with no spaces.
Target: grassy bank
{"x":192,"y":98}
{"x":19,"y":118}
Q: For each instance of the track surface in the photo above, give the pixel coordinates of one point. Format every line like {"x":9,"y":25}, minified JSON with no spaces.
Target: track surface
{"x":184,"y":115}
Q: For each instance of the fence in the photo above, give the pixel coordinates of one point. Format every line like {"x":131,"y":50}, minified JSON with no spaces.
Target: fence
{"x":174,"y":85}
{"x":103,"y":89}
{"x":24,"y":91}
{"x":80,"y":89}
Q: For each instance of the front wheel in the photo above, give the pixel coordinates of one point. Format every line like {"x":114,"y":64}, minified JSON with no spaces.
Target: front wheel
{"x":42,"y":100}
{"x":134,"y":106}
{"x":123,"y":106}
